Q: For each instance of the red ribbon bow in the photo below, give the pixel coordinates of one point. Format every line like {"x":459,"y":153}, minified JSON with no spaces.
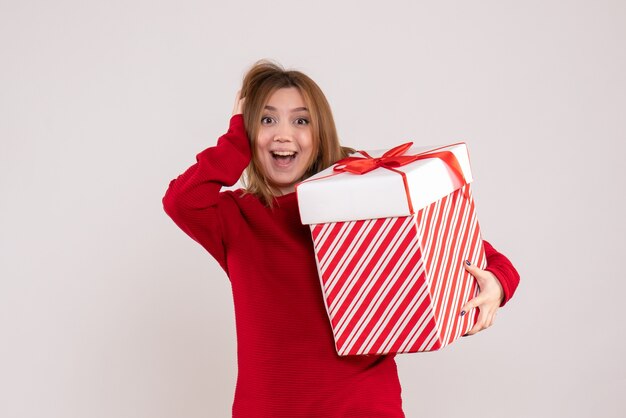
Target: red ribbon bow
{"x":390,"y":159}
{"x":394,"y":158}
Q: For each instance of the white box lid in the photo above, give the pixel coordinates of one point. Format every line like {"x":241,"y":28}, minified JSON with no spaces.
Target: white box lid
{"x":331,"y":196}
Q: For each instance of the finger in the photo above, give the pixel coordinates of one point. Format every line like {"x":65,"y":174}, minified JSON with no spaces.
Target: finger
{"x":471,"y":268}
{"x":478,"y":326}
{"x":486,"y":318}
{"x":492,"y":318}
{"x":471,"y":304}
{"x":475,"y":271}
{"x":482,"y":321}
{"x":237,"y":107}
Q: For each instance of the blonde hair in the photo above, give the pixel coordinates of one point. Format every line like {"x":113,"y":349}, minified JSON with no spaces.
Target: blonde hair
{"x":259,"y":83}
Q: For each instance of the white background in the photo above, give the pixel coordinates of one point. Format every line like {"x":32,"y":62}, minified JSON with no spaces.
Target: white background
{"x":108,"y":310}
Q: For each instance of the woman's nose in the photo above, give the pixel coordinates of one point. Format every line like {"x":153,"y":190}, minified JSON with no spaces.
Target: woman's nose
{"x":283,"y":133}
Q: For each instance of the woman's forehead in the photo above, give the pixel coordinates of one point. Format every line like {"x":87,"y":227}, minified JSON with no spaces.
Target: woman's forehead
{"x":286,"y":98}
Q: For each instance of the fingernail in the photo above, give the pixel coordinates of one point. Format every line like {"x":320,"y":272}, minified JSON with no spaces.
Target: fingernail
{"x":468,"y":262}
{"x":462,"y":313}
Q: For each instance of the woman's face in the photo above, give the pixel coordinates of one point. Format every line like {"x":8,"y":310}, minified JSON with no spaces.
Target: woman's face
{"x":284,"y":144}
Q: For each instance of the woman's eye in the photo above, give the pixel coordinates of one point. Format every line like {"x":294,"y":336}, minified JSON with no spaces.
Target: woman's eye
{"x":302,"y":121}
{"x":266,"y":120}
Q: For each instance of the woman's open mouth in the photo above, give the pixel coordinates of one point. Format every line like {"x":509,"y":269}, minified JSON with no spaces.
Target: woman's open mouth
{"x":283,"y":158}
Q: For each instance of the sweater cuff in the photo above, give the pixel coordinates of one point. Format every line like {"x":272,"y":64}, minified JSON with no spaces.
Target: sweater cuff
{"x":238,"y":137}
{"x":236,"y":119}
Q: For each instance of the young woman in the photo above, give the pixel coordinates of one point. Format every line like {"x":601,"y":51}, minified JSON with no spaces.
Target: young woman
{"x":281,"y":132}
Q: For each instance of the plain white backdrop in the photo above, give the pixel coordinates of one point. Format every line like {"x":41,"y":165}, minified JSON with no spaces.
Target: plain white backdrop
{"x":108,"y":310}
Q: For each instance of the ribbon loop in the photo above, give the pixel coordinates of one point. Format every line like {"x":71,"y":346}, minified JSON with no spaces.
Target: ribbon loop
{"x":395,"y":158}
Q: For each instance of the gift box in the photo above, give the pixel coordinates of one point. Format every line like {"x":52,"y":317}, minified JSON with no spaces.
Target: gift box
{"x":391,"y":231}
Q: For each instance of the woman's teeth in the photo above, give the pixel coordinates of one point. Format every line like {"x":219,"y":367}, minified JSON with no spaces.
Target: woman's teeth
{"x":283,"y":155}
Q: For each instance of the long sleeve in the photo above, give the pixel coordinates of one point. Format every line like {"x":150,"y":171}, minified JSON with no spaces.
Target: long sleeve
{"x":503,"y":269}
{"x":191,"y":199}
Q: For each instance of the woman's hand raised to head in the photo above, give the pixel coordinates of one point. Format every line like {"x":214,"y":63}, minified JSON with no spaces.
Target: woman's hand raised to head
{"x":488,"y":300}
{"x":238,"y":108}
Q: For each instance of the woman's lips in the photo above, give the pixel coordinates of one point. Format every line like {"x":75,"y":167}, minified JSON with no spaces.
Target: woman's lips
{"x":283,"y":158}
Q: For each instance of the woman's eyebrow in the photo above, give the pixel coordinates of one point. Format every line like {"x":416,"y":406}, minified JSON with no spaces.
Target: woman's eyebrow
{"x":297,"y":109}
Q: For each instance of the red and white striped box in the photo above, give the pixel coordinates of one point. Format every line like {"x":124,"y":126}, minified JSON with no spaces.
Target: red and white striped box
{"x":391,"y":235}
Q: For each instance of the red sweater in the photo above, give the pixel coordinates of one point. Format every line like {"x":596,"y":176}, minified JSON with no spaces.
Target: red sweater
{"x":287,"y":364}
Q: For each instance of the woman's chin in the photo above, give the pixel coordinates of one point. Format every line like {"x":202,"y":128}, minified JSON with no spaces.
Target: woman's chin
{"x":285,"y":186}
